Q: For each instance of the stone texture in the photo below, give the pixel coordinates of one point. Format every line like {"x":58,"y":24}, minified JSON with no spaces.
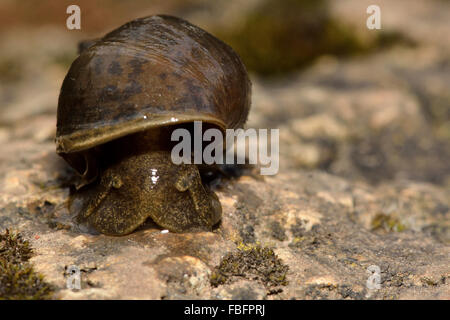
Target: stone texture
{"x":364,"y":180}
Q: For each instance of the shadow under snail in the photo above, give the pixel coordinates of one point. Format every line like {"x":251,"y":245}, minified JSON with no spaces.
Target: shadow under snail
{"x":118,"y":105}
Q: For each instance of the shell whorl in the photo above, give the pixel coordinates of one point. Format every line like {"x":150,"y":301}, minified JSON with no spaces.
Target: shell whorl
{"x":150,"y":72}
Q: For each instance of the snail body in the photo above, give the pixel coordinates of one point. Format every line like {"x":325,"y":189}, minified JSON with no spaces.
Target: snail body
{"x":118,"y":104}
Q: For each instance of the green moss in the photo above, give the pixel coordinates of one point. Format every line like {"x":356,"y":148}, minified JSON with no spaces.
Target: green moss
{"x":64,"y":59}
{"x":426,"y":281}
{"x":18,"y":280}
{"x":387,"y":223}
{"x":21,"y":282}
{"x":13,"y":248}
{"x":251,"y":262}
{"x":281,"y":36}
{"x":297,"y":240}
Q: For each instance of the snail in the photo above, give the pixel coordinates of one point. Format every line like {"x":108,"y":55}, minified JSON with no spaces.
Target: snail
{"x":119,"y":102}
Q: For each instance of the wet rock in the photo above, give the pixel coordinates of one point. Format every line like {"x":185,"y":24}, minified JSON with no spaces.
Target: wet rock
{"x":329,"y":242}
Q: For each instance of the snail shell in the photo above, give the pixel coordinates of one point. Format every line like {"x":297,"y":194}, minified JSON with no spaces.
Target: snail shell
{"x":150,"y":72}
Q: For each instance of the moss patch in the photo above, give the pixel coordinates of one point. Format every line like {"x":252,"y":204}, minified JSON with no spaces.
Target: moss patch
{"x":387,"y":223}
{"x":252,"y":262}
{"x":64,"y":59}
{"x":18,"y":280}
{"x":282,"y":36}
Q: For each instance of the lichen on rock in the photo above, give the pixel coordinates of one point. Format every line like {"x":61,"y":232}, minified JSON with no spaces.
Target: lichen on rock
{"x":253,"y":262}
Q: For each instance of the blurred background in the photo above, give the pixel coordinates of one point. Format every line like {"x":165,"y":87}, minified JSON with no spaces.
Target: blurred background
{"x":367,"y":105}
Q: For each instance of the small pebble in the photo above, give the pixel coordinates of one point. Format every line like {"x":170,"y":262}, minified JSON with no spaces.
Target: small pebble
{"x":165,"y":231}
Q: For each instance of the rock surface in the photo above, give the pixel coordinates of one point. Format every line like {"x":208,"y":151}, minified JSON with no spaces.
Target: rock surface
{"x":364,"y":181}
